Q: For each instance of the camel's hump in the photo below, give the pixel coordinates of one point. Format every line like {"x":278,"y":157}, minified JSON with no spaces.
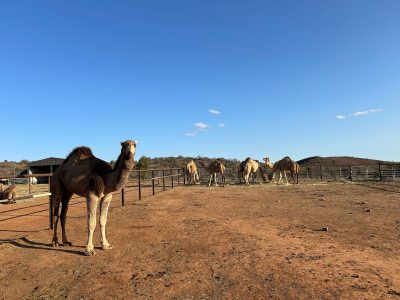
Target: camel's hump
{"x":80,"y":153}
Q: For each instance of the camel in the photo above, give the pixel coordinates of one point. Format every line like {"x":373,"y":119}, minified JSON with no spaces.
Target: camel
{"x":191,"y":172}
{"x":250,"y":166}
{"x":283,"y":165}
{"x":9,"y":193}
{"x":214,"y":168}
{"x":84,"y":174}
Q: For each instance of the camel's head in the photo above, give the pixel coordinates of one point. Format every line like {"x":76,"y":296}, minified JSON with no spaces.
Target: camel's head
{"x":268,"y":162}
{"x":129,"y":148}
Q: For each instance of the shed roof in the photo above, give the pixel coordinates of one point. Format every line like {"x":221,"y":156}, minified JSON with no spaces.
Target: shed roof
{"x":50,"y":161}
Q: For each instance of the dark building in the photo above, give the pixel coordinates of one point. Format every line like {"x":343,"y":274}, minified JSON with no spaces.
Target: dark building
{"x":44,"y":166}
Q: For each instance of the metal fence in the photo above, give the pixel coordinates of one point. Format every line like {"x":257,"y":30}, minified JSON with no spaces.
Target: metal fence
{"x":140,"y":182}
{"x":379,"y":172}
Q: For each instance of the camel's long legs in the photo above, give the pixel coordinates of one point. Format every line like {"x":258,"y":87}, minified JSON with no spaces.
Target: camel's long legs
{"x":64,"y":208}
{"x":91,"y":204}
{"x":55,"y":200}
{"x":104,"y":204}
{"x":287,"y":181}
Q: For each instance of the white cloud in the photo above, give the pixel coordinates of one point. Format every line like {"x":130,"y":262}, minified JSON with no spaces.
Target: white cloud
{"x":191,"y":134}
{"x":361,"y":113}
{"x":376,"y":110}
{"x":201,"y":126}
{"x":221,"y":125}
{"x":214,"y":111}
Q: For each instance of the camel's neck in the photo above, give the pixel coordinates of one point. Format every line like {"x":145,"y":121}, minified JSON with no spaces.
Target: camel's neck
{"x":118,"y":177}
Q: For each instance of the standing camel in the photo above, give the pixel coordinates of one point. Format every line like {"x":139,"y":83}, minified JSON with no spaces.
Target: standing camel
{"x":84,"y":174}
{"x":214,"y":168}
{"x":283,"y":165}
{"x":250,"y":166}
{"x":9,"y":193}
{"x":191,"y":171}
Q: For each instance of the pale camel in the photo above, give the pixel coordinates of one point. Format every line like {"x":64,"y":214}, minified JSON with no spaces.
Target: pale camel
{"x":9,"y":193}
{"x":191,"y":171}
{"x":84,"y":174}
{"x":214,"y":168}
{"x":283,"y":165}
{"x":250,"y":166}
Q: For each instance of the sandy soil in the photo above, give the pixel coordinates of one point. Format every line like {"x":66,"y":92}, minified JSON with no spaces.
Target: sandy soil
{"x":234,"y":242}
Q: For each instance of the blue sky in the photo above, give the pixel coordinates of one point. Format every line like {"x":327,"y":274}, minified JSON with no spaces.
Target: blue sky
{"x":212,"y":78}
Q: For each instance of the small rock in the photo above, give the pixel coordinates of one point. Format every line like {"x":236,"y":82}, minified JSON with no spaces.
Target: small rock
{"x":355,"y":276}
{"x":324,"y":229}
{"x":368,"y":210}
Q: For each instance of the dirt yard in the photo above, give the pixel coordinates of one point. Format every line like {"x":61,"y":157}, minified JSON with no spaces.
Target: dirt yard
{"x":234,"y":242}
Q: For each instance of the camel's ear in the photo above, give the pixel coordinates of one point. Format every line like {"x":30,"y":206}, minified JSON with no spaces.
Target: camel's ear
{"x":122,"y":143}
{"x":135,"y":142}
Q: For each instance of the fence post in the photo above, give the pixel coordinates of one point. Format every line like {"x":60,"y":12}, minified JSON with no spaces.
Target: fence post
{"x":380,"y":172}
{"x":172,"y":179}
{"x":350,"y":173}
{"x":140,"y":185}
{"x":122,"y":197}
{"x":163,"y":179}
{"x":152,"y":181}
{"x":50,"y":208}
{"x":184,"y":176}
{"x":29,"y":184}
{"x":320,"y":172}
{"x":179,"y":179}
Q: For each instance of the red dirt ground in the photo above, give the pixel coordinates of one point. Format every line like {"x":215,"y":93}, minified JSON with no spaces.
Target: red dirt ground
{"x":200,"y":242}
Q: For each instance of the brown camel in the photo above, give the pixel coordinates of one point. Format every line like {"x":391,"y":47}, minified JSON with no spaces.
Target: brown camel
{"x":9,"y":193}
{"x":250,"y":166}
{"x":191,"y":171}
{"x":84,"y":174}
{"x":214,"y":168}
{"x":283,"y":165}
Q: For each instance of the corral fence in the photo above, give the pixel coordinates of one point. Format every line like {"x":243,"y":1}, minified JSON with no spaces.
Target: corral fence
{"x":140,"y":182}
{"x":375,"y":172}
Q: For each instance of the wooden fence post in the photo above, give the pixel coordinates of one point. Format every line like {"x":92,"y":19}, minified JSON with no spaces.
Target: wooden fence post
{"x":184,"y":176}
{"x":152,"y":181}
{"x":140,"y":185}
{"x":122,"y":197}
{"x":380,"y":172}
{"x":172,"y":179}
{"x":50,"y":208}
{"x":350,"y":173}
{"x":320,"y":172}
{"x":163,"y":179}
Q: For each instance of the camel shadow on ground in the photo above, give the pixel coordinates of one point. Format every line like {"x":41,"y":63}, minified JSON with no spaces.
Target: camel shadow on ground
{"x":29,"y":244}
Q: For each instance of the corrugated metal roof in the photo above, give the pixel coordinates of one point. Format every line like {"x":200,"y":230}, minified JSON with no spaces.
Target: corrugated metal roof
{"x":50,"y":161}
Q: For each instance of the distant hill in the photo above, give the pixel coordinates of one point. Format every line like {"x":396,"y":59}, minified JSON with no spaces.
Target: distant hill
{"x":338,"y":161}
{"x":12,"y":168}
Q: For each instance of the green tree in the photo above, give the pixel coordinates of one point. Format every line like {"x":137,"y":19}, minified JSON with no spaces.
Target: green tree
{"x":143,"y":164}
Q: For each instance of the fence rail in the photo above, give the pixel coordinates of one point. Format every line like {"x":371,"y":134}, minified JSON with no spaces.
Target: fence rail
{"x":154,"y":179}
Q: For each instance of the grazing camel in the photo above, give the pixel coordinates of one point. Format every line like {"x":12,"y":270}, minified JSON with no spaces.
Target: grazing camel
{"x":214,"y":168}
{"x":191,"y":171}
{"x":283,"y":165}
{"x":84,"y":174}
{"x":249,"y":166}
{"x":9,"y":193}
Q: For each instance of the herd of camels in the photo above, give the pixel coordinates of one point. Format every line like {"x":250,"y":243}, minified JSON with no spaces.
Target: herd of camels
{"x":84,"y":174}
{"x":246,"y":167}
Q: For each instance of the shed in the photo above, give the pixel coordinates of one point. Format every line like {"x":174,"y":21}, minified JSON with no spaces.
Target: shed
{"x":43,"y":166}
